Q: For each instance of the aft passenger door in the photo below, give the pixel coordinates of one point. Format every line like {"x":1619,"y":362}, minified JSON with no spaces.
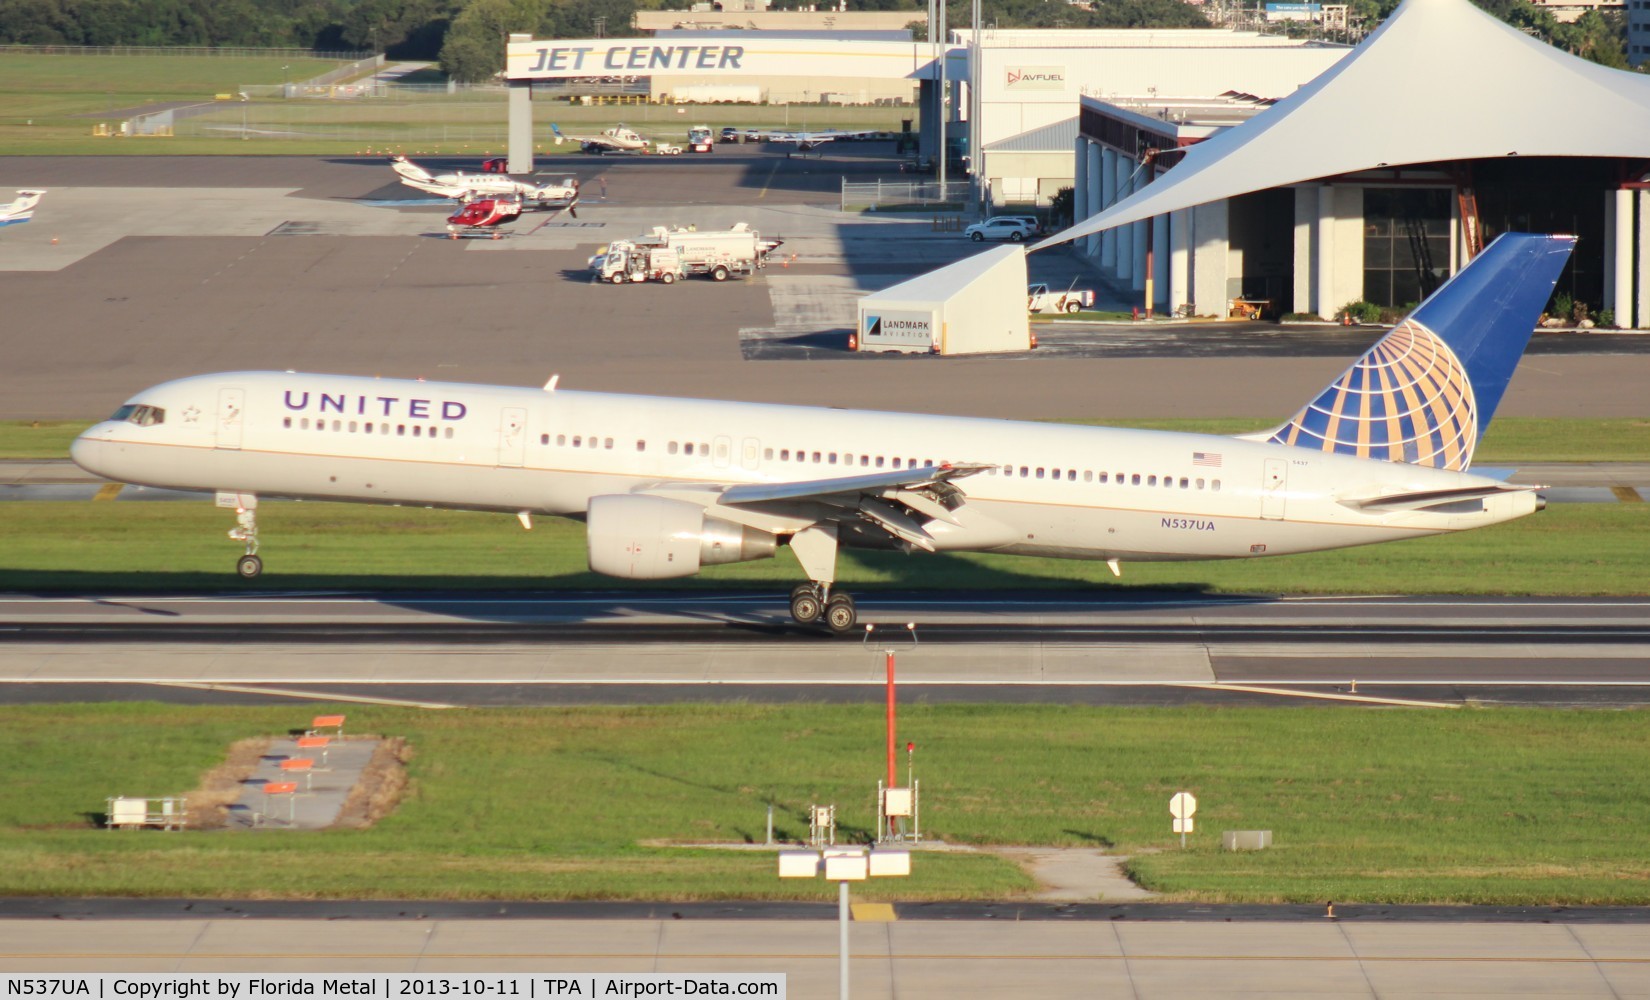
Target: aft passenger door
{"x":512,"y":437}
{"x":1274,"y":487}
{"x":231,"y":417}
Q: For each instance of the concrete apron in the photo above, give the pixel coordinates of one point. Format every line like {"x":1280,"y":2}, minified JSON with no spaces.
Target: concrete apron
{"x":320,"y":794}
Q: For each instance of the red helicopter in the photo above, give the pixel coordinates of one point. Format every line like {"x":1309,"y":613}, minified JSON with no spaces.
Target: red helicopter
{"x":479,"y":217}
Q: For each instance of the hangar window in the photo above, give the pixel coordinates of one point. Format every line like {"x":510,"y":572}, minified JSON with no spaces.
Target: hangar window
{"x":1406,"y":243}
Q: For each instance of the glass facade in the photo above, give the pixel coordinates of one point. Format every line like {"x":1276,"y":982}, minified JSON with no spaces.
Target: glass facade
{"x":1406,"y":243}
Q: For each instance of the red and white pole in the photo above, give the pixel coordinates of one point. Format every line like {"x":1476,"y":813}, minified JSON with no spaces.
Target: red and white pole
{"x":891,"y":737}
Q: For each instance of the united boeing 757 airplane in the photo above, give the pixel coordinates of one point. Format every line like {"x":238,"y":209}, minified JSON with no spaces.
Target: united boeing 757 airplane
{"x":666,"y":486}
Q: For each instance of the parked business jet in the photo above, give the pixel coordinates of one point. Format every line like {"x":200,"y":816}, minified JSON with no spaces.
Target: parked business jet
{"x":21,"y":209}
{"x":466,"y":188}
{"x":667,"y":486}
{"x":619,"y":139}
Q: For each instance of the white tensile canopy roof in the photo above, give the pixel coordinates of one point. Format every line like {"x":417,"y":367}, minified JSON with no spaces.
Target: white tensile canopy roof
{"x":1440,"y":80}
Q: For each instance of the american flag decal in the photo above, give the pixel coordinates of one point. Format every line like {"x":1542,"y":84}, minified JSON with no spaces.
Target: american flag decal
{"x":1206,"y":458}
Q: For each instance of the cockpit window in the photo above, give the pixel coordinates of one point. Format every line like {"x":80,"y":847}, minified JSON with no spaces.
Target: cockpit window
{"x":143,"y":416}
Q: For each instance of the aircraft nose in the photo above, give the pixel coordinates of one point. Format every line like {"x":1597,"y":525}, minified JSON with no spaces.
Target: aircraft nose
{"x":87,"y":451}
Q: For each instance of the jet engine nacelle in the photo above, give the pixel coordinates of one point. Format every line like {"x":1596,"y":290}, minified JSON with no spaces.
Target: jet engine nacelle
{"x":652,"y":538}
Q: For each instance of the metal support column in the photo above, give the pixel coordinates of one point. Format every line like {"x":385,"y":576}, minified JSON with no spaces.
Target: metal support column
{"x":1641,"y":289}
{"x":1080,"y":184}
{"x":521,"y":127}
{"x":1105,"y":181}
{"x":1622,"y":273}
{"x":1137,"y":232}
{"x":1324,"y":251}
{"x":1180,"y":260}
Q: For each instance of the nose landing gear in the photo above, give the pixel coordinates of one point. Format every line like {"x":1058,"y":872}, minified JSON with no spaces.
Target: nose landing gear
{"x":249,"y":566}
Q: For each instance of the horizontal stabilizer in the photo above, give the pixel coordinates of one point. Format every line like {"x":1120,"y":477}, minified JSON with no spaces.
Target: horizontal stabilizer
{"x":1422,"y":499}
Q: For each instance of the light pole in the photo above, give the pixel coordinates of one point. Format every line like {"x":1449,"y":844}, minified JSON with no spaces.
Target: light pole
{"x":843,"y":865}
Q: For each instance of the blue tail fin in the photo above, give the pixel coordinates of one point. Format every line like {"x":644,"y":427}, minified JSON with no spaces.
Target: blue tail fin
{"x":1425,"y":393}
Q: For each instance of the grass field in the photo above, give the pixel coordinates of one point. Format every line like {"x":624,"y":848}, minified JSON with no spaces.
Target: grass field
{"x":44,"y":101}
{"x":55,"y":92}
{"x":1579,"y":549}
{"x":1475,"y":806}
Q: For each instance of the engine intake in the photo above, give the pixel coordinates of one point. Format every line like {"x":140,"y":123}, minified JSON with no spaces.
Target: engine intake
{"x":654,"y":538}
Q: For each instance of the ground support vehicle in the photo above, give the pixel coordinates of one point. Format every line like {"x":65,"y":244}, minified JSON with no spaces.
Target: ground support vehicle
{"x":626,"y":261}
{"x":720,"y":254}
{"x":1040,"y":298}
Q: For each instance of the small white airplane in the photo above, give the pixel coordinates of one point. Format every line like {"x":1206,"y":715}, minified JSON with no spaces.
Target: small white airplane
{"x":666,"y":486}
{"x":465,"y":187}
{"x":22,"y":207}
{"x":805,"y":141}
{"x":619,"y":139}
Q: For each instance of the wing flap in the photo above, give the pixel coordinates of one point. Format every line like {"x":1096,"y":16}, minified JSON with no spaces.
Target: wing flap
{"x":845,"y":489}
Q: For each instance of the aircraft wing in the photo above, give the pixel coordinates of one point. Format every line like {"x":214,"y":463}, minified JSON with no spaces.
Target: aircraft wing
{"x":898,"y":501}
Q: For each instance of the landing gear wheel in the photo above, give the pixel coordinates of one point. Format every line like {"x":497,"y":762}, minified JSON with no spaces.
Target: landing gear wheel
{"x":806,"y":607}
{"x":249,"y":567}
{"x":840,"y":614}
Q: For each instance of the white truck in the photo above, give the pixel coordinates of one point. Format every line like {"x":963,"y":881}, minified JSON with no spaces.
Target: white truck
{"x":721,"y":253}
{"x":625,"y":261}
{"x":1040,"y":298}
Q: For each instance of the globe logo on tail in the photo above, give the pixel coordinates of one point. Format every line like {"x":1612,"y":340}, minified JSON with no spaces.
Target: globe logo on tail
{"x":1407,"y":400}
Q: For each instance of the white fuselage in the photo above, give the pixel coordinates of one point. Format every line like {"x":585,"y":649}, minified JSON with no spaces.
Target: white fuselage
{"x":1058,"y":490}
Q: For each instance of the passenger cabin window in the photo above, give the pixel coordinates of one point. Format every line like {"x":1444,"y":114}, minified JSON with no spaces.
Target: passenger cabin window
{"x":670,"y":449}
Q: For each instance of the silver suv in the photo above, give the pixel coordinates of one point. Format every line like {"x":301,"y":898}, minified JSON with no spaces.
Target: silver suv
{"x":1013,"y":228}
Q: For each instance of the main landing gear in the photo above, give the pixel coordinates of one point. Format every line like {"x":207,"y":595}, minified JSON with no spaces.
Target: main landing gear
{"x":814,"y":603}
{"x":248,"y":566}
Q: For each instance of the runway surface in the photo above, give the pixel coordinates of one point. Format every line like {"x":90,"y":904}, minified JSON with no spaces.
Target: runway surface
{"x":896,"y":952}
{"x":170,"y":266}
{"x":1141,"y":648}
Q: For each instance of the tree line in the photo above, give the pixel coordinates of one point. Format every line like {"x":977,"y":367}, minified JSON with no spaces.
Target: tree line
{"x":467,"y":36}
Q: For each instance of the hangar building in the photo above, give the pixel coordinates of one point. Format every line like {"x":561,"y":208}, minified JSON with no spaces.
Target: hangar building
{"x":1378,"y":179}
